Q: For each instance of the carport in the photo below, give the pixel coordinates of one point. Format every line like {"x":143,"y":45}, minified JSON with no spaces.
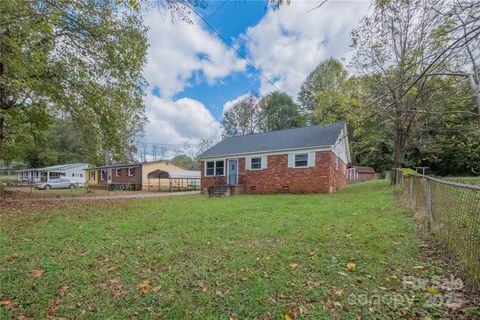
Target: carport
{"x":161,"y":180}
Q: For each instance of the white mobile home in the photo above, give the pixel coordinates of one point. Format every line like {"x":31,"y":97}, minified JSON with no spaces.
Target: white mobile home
{"x":74,"y":171}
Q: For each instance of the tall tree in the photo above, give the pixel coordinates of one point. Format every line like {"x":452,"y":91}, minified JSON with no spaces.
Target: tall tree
{"x":463,"y":21}
{"x":279,"y":111}
{"x":325,"y":80}
{"x":394,"y":46}
{"x":79,"y":57}
{"x":449,"y":143}
{"x":243,"y":117}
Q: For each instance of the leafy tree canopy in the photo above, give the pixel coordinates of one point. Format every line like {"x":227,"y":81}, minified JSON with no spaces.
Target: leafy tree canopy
{"x":186,"y":162}
{"x":328,"y":77}
{"x":279,"y":111}
{"x":79,"y":58}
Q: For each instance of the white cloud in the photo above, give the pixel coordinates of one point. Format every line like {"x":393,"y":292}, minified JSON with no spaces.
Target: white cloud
{"x":286,"y":45}
{"x":229,"y":104}
{"x":182,"y":53}
{"x":289,"y":43}
{"x":175,"y":122}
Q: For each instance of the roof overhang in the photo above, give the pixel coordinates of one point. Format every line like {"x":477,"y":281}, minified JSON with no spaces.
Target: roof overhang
{"x":268,"y":152}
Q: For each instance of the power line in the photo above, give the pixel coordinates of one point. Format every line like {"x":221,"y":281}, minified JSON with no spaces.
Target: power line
{"x":317,"y":7}
{"x":230,"y":45}
{"x":217,"y":9}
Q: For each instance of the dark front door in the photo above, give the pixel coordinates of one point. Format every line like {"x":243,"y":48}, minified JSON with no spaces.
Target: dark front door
{"x":232,"y":172}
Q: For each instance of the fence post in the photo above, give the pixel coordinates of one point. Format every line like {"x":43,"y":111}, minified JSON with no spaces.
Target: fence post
{"x":410,"y":190}
{"x":429,"y":204}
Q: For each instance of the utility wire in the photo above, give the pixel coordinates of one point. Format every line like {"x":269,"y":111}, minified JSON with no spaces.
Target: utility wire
{"x":230,"y":45}
{"x":217,"y":9}
{"x":315,"y":8}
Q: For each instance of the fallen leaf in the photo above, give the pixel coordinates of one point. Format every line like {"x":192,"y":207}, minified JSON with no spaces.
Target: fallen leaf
{"x":287,"y":317}
{"x":294,"y":312}
{"x":351,"y":265}
{"x":203,"y":287}
{"x":143,"y":291}
{"x":112,"y":268}
{"x":37,"y":273}
{"x":432,"y":290}
{"x":339,"y":292}
{"x":54,"y":308}
{"x":156,"y":289}
{"x":5,"y":302}
{"x":293,"y":266}
{"x":143,"y":287}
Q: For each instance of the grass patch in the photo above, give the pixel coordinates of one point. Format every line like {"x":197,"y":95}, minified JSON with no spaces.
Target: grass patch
{"x":467,"y":180}
{"x":27,"y":191}
{"x":198,"y":258}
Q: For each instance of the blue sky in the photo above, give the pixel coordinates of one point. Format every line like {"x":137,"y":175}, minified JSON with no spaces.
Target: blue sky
{"x":194,"y":76}
{"x":230,"y":19}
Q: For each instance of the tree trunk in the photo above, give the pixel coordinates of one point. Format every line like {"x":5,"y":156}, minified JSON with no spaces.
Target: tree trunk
{"x":476,"y":91}
{"x":2,"y":107}
{"x":398,"y":154}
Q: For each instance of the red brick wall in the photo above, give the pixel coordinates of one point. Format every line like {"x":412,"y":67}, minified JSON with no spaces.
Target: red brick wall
{"x":124,"y":177}
{"x":322,"y":178}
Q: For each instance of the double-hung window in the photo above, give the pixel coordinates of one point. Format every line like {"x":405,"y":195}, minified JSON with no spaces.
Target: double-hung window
{"x":131,"y":171}
{"x":210,"y":171}
{"x":301,"y":160}
{"x":256,"y":163}
{"x":215,"y":168}
{"x":102,"y":174}
{"x":118,"y":172}
{"x":92,"y":175}
{"x":219,"y":168}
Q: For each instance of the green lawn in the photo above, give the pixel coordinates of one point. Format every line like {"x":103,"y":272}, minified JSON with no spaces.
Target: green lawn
{"x":244,"y":257}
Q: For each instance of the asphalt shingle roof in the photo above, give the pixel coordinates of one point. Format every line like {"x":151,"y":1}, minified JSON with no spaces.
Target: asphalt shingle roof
{"x":305,"y":137}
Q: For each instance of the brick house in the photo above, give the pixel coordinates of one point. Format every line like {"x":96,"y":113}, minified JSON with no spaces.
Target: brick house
{"x":162,"y":175}
{"x":310,"y":159}
{"x":120,"y":174}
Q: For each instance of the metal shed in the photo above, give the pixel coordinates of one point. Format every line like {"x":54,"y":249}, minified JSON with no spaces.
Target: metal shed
{"x":163,"y":180}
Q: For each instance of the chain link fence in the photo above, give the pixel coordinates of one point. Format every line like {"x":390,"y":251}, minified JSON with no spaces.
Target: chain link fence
{"x":451,"y":210}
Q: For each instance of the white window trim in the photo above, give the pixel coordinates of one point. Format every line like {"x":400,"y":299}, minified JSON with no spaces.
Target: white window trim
{"x":214,"y":168}
{"x":295,"y":160}
{"x":130,"y":171}
{"x":311,"y":159}
{"x":263,"y":162}
{"x":102,"y":174}
{"x":250,"y":163}
{"x":117,"y":172}
{"x":336,"y":163}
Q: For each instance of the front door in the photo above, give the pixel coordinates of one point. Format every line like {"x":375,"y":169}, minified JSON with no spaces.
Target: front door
{"x":109,"y":176}
{"x":232,"y":172}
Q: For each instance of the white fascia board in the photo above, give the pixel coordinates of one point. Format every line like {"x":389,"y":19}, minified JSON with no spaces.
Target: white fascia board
{"x":269,"y":153}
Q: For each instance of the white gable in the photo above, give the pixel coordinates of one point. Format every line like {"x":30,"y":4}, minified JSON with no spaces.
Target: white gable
{"x":341,"y":148}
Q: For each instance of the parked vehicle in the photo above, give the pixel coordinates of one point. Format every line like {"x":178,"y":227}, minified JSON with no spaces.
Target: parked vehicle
{"x":57,"y":184}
